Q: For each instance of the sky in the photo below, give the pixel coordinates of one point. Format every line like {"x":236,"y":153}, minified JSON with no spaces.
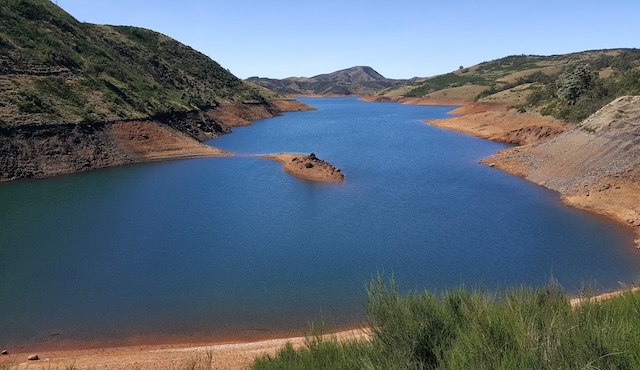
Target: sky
{"x":399,"y":39}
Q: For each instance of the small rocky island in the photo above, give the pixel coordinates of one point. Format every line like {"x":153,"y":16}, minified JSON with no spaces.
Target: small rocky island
{"x":308,"y":167}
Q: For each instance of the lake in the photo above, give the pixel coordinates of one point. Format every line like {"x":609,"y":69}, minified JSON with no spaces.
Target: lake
{"x":236,"y":248}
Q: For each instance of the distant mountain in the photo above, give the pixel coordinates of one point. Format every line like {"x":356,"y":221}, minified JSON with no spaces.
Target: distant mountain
{"x":360,"y":80}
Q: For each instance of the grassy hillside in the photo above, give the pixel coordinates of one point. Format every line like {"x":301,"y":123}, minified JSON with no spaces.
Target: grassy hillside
{"x":570,"y":87}
{"x":56,"y":69}
{"x":462,"y":329}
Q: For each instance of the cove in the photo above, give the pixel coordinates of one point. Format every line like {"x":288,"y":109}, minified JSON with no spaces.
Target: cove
{"x":236,"y":248}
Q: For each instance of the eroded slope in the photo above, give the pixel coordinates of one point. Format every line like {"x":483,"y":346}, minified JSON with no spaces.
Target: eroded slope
{"x":595,"y":165}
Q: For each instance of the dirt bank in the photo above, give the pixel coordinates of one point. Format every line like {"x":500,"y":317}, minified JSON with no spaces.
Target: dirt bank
{"x":148,"y":140}
{"x":42,"y":150}
{"x":417,"y":101}
{"x":495,"y":122}
{"x":307,"y":167}
{"x":594,"y":166}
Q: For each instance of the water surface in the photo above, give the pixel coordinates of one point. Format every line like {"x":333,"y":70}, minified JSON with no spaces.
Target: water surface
{"x":236,"y":247}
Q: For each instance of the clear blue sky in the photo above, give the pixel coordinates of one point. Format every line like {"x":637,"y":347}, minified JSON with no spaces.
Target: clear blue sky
{"x":399,"y":39}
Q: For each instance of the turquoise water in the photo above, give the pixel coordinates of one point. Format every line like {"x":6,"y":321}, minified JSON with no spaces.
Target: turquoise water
{"x":235,"y":247}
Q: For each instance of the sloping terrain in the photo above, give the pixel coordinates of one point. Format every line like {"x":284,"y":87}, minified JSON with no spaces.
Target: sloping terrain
{"x":73,"y":95}
{"x":352,"y":81}
{"x":595,"y":165}
{"x":56,"y":69}
{"x":569,"y":87}
{"x":505,"y":126}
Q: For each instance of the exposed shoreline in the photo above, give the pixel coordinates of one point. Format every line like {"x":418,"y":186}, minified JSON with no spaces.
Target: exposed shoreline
{"x":239,"y":354}
{"x":580,"y":176}
{"x":226,"y":354}
{"x":615,"y":197}
{"x":45,"y":150}
{"x":307,"y":167}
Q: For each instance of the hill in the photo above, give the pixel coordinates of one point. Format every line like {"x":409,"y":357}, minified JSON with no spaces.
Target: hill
{"x":569,"y":87}
{"x":65,"y":84}
{"x":351,"y":81}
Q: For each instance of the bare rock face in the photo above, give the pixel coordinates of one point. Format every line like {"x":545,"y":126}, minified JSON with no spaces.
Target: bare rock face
{"x":33,"y":357}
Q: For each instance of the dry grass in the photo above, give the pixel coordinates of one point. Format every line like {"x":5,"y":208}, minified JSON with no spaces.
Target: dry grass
{"x":461,"y":92}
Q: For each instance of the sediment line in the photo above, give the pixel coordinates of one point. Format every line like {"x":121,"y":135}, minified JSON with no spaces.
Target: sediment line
{"x":44,"y":150}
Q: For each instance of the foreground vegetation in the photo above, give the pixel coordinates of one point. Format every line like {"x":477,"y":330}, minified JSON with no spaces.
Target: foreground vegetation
{"x":522,"y":328}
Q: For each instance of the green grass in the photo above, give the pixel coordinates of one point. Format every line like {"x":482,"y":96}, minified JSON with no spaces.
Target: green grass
{"x":521,"y":328}
{"x":549,"y":91}
{"x":60,"y":70}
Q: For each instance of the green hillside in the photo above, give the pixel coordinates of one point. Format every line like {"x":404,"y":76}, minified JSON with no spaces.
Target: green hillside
{"x":56,"y":69}
{"x":570,"y":87}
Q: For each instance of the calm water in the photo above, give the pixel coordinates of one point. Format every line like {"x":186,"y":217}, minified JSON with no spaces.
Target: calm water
{"x":234,"y":246}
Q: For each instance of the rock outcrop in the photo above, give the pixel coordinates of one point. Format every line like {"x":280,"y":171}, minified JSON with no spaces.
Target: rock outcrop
{"x":307,"y":167}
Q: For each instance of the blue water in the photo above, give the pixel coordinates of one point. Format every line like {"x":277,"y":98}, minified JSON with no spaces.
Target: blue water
{"x":234,"y":246}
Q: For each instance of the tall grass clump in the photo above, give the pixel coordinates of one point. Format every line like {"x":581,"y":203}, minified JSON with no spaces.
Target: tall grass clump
{"x":202,"y":361}
{"x":517,"y":328}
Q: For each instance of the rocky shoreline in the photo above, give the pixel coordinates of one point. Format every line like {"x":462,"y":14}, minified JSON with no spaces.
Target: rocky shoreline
{"x":594,"y":165}
{"x":44,"y":150}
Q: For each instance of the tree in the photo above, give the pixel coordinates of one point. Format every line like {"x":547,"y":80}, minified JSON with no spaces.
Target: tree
{"x":571,"y":84}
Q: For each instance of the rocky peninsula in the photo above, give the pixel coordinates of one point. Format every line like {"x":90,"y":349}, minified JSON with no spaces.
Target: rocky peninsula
{"x":307,"y":167}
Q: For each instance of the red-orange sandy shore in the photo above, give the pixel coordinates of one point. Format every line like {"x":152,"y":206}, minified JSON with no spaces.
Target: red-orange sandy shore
{"x":219,"y":354}
{"x":223,"y":354}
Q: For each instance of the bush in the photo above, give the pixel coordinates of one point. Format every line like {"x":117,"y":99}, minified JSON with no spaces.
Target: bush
{"x":571,"y":84}
{"x":520,"y":328}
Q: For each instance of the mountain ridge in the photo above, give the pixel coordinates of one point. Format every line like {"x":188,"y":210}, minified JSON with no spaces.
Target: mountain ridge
{"x":358,"y":80}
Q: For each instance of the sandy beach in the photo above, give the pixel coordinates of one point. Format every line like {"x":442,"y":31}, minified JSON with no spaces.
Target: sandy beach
{"x":229,"y":355}
{"x":221,"y":355}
